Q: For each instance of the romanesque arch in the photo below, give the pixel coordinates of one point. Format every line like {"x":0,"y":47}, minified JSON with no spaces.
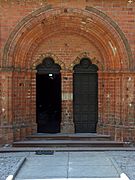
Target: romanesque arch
{"x":29,"y":42}
{"x":90,"y":23}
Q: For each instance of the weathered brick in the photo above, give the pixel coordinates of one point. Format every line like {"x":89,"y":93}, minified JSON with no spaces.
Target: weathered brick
{"x":67,"y":31}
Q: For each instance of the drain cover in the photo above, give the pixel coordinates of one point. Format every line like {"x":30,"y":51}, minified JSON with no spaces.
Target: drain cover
{"x":44,"y":152}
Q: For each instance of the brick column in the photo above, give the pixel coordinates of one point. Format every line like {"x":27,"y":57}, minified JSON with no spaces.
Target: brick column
{"x":67,"y":125}
{"x":24,"y":104}
{"x":6,"y":124}
{"x":33,"y":102}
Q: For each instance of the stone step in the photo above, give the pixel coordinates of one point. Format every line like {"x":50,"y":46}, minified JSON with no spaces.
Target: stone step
{"x":122,"y":177}
{"x":67,"y":143}
{"x":76,"y":136}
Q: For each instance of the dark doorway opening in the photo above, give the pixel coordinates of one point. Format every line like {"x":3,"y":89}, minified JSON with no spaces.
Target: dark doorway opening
{"x":85,"y":96}
{"x":48,"y":97}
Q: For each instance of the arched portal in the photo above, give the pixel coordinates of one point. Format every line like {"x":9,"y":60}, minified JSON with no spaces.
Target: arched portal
{"x":66,"y":32}
{"x":48,"y":97}
{"x":85,"y":96}
{"x":90,"y":23}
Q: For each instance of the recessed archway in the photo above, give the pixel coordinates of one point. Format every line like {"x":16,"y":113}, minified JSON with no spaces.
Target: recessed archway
{"x":23,"y":51}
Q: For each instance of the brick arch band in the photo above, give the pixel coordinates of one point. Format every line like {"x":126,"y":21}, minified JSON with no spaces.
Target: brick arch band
{"x":51,"y":55}
{"x":95,"y":61}
{"x":89,"y":23}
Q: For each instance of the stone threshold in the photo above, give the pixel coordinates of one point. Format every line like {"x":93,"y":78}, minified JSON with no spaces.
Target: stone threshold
{"x":122,"y":177}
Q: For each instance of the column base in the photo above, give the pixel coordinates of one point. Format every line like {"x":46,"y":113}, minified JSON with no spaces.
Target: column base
{"x":6,"y":134}
{"x":67,"y":128}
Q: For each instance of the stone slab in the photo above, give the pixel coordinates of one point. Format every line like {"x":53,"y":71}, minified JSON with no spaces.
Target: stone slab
{"x":68,"y":165}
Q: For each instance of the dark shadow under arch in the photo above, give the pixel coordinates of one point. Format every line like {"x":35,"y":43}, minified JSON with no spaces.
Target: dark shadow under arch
{"x":48,"y":96}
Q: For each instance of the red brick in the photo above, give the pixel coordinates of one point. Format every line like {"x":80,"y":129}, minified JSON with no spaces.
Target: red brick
{"x":67,"y":37}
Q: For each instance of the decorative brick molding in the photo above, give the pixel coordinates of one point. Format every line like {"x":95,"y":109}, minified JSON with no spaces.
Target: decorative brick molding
{"x":93,"y":60}
{"x":49,"y":54}
{"x":91,"y":23}
{"x":118,"y":30}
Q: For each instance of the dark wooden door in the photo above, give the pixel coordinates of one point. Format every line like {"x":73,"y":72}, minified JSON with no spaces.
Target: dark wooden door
{"x":85,"y":97}
{"x":48,"y":97}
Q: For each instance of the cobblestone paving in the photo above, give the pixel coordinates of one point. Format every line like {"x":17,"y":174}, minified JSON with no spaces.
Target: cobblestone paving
{"x":8,"y":163}
{"x":126,"y":162}
{"x":124,"y":159}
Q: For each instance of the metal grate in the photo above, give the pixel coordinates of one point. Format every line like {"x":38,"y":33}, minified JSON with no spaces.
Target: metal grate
{"x":44,"y":152}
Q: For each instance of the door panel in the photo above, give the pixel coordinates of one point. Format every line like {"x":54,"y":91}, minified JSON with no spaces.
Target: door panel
{"x":85,"y":104}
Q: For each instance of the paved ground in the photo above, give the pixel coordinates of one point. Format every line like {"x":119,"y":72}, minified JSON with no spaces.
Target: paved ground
{"x":8,"y":163}
{"x":125,"y":161}
{"x":69,"y":164}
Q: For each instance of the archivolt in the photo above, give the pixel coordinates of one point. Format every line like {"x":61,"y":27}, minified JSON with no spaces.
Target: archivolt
{"x":89,"y":18}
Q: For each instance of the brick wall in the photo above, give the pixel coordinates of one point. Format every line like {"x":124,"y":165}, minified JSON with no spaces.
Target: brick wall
{"x":23,"y":103}
{"x":67,"y":31}
{"x":116,"y":105}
